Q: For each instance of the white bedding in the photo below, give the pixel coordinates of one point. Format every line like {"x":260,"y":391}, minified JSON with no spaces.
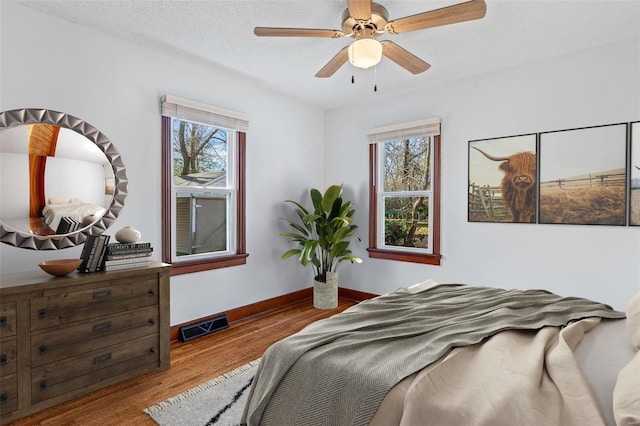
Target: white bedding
{"x":541,"y":376}
{"x":601,"y":354}
{"x":53,"y":213}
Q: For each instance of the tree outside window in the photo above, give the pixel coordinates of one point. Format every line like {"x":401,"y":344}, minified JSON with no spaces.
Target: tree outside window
{"x":404,"y":222}
{"x":203,"y":206}
{"x":203,"y":195}
{"x":407,"y":170}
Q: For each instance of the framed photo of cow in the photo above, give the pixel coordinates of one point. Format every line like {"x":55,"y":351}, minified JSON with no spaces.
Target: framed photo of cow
{"x":583,"y":176}
{"x":502,"y":179}
{"x":634,"y":174}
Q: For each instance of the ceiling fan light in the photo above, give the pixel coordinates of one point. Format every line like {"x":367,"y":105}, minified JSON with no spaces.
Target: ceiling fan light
{"x":365,"y":53}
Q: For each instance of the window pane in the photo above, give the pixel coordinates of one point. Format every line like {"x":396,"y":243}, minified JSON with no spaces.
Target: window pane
{"x":201,"y":223}
{"x":406,"y":222}
{"x":200,"y":155}
{"x":407,"y":165}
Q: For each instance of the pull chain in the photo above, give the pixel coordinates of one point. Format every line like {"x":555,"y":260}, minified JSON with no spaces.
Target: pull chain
{"x":375,"y":78}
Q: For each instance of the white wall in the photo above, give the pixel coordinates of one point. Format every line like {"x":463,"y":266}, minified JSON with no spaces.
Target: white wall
{"x":115,"y":86}
{"x":592,"y":87}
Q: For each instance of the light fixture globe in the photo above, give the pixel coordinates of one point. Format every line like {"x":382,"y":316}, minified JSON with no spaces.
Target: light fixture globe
{"x":365,"y":52}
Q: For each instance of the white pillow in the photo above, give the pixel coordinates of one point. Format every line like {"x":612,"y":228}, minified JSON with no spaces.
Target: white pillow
{"x":75,"y":201}
{"x":626,"y":395}
{"x":57,"y":200}
{"x":633,"y":321}
{"x":417,"y":288}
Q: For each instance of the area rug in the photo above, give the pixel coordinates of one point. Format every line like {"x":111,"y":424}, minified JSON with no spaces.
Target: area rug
{"x":218,"y":402}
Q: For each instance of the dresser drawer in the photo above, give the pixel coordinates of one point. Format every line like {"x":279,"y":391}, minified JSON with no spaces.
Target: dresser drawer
{"x":79,"y":372}
{"x":7,"y":319}
{"x":7,"y":358}
{"x":8,"y":394}
{"x":67,"y":307}
{"x":50,"y":346}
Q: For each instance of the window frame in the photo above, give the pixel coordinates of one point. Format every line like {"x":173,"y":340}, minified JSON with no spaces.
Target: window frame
{"x":408,"y":254}
{"x":180,"y":267}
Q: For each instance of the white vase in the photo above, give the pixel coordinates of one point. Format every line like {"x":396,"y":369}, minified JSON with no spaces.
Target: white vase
{"x":128,"y":234}
{"x":325,"y":295}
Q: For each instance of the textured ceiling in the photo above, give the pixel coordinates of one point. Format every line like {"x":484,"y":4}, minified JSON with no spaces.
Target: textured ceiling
{"x":219,"y":34}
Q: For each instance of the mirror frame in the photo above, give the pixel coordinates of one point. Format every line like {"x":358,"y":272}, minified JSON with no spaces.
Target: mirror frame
{"x":21,"y":239}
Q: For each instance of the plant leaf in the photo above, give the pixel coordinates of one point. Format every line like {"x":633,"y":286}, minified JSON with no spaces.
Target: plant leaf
{"x":308,"y":252}
{"x":339,"y":249}
{"x":300,"y":206}
{"x":353,"y":259}
{"x":330,"y":195}
{"x":290,"y":253}
{"x":316,"y":200}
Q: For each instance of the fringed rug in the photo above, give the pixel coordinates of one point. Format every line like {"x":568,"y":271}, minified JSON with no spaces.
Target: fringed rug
{"x":218,"y":402}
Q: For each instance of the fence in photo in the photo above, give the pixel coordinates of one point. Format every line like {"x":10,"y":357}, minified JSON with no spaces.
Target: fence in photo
{"x":486,"y":201}
{"x":616,"y":177}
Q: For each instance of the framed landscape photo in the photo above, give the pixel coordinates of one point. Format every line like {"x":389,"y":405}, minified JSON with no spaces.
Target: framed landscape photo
{"x":634,"y":172}
{"x":502,"y":179}
{"x":583,"y":176}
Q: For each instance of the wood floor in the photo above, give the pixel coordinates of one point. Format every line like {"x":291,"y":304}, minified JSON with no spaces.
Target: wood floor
{"x":192,"y":363}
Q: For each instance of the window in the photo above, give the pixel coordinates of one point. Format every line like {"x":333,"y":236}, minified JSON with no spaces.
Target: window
{"x":203,"y":186}
{"x":404,"y":192}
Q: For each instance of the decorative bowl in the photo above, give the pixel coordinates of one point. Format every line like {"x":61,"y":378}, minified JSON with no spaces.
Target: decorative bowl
{"x":60,"y":267}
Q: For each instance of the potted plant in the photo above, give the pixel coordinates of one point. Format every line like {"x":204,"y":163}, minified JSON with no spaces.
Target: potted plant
{"x":322,"y":237}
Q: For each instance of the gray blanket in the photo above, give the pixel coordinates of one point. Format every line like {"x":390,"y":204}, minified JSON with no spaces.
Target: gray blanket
{"x":337,"y":371}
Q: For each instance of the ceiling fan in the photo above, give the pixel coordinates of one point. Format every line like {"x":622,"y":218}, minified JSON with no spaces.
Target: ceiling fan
{"x":365,"y":21}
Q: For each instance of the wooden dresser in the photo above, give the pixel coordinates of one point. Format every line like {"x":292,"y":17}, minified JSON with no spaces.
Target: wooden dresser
{"x":62,"y":337}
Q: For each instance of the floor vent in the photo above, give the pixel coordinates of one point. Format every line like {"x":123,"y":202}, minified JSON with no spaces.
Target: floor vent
{"x":193,"y":331}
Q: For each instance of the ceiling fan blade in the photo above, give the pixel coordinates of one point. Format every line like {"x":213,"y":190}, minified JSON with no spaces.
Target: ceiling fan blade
{"x":360,"y":9}
{"x":296,"y":32}
{"x":404,"y":58}
{"x":335,"y":63}
{"x":474,"y":9}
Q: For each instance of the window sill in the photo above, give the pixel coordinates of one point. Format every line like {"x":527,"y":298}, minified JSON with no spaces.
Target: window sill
{"x":403,"y":256}
{"x":180,"y":268}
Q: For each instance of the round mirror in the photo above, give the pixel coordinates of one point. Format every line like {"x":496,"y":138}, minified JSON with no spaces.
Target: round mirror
{"x":61,"y":180}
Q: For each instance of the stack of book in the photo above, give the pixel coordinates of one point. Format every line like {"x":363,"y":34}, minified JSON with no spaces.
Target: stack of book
{"x":93,"y":253}
{"x":67,"y":225}
{"x":127,"y":255}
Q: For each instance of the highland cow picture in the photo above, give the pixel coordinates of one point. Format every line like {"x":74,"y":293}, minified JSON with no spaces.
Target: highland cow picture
{"x":634,"y":209}
{"x":583,"y":176}
{"x":502,"y":179}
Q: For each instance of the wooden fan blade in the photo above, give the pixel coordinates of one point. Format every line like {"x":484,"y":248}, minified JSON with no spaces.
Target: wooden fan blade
{"x":360,"y":9}
{"x":474,"y":9}
{"x":335,"y":63}
{"x":296,"y":32}
{"x":403,"y":57}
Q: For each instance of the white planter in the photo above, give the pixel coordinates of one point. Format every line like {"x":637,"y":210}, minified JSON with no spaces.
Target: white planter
{"x":325,"y":295}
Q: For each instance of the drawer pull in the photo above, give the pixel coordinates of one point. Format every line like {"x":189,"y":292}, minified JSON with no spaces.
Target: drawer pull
{"x":3,"y":321}
{"x":151,"y":321}
{"x":102,"y":358}
{"x":102,"y":294}
{"x":42,"y":313}
{"x":101,"y":327}
{"x":151,"y":293}
{"x":43,"y":349}
{"x":4,"y":398}
{"x":43,"y":386}
{"x":152,"y":350}
{"x":4,"y":360}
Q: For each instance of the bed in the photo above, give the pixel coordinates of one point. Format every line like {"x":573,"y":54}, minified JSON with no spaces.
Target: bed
{"x":75,"y":209}
{"x":452,"y":354}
